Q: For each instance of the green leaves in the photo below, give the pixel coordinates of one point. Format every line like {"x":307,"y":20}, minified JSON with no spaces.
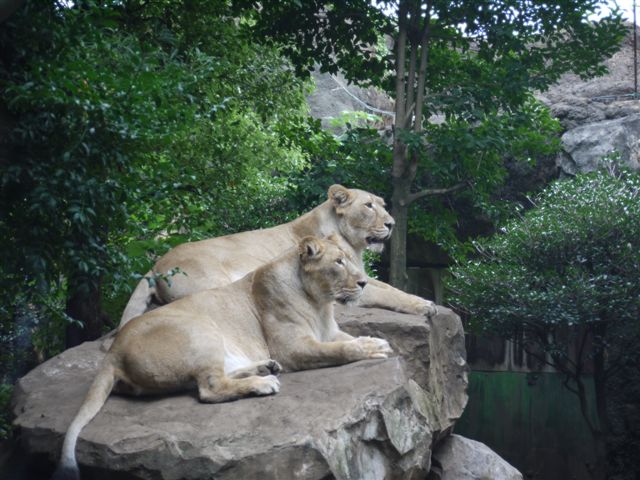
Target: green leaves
{"x":572,"y":260}
{"x":136,"y":124}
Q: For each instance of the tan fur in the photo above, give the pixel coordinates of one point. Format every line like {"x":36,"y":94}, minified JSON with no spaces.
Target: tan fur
{"x":359,"y":218}
{"x":230,"y":342}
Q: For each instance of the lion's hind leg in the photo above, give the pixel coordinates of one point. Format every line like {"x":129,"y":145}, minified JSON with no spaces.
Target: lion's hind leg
{"x":215,"y":386}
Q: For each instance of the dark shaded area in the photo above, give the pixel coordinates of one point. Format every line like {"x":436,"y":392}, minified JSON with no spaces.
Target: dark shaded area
{"x":15,"y":464}
{"x":534,"y":425}
{"x":623,"y":408}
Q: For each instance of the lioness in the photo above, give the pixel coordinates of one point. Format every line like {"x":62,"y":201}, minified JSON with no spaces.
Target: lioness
{"x":231,"y":341}
{"x":357,"y":216}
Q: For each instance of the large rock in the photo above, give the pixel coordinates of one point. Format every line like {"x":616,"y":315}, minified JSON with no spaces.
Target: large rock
{"x":576,"y":101}
{"x":459,"y":458}
{"x":585,"y":146}
{"x":367,"y":420}
{"x":597,"y":113}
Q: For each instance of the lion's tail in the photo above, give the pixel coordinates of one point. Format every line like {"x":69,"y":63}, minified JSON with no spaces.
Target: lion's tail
{"x":93,"y":402}
{"x":139,"y":301}
{"x":136,"y":306}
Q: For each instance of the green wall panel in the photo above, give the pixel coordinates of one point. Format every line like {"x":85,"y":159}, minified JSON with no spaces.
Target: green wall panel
{"x":532,"y":421}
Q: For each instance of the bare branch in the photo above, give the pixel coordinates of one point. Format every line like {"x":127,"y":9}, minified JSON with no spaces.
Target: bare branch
{"x":412,"y":197}
{"x":399,"y":163}
{"x":411,"y":81}
{"x":407,"y":117}
{"x":543,"y":360}
{"x":400,"y":63}
{"x":422,"y":72}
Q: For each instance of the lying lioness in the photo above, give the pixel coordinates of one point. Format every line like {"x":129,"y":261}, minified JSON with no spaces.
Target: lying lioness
{"x":230,"y":342}
{"x":358,"y":217}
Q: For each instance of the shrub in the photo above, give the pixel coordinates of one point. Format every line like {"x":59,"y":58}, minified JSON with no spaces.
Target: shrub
{"x":563,"y":280}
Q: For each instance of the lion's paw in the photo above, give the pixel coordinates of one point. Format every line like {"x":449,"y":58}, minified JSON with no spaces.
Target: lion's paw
{"x":374,"y":347}
{"x":269,"y":367}
{"x":266,"y":385}
{"x":425,"y":307}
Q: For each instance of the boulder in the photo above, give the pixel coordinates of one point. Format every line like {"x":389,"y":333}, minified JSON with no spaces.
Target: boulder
{"x":598,"y":114}
{"x":583,"y":147}
{"x":366,"y":420}
{"x":459,"y":458}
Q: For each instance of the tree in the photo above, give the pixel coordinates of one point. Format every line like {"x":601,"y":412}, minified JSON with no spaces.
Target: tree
{"x":130,"y":120}
{"x":562,"y":281}
{"x":468,"y":63}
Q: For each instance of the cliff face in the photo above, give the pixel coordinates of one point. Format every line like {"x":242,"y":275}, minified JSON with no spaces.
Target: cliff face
{"x":600,"y":115}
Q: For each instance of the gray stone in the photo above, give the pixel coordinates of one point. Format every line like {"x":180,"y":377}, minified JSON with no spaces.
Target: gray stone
{"x":366,"y":420}
{"x":433,"y":349}
{"x":585,"y":146}
{"x":459,"y":458}
{"x":599,"y":114}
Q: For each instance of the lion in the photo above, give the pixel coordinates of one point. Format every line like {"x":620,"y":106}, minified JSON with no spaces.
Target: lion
{"x":357,"y":216}
{"x":231,"y":342}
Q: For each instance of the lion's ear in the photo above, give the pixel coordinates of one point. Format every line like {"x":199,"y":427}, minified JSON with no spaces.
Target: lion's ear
{"x":333,"y":237}
{"x":340,"y":196}
{"x":310,"y":248}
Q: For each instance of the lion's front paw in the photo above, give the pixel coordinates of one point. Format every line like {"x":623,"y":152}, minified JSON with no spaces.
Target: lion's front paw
{"x":373,"y":347}
{"x":424,"y":307}
{"x":266,"y":385}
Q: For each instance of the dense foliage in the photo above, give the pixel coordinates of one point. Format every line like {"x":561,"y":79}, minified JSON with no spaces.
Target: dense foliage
{"x":131,"y":127}
{"x":563,"y":280}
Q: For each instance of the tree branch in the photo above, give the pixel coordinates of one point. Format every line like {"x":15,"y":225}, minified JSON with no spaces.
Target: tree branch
{"x":409,"y":114}
{"x":411,"y":80}
{"x":543,"y":360}
{"x":422,"y":71}
{"x":399,"y":162}
{"x":420,"y":88}
{"x":412,"y":197}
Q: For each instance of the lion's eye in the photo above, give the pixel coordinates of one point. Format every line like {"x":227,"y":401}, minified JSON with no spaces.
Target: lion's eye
{"x":340,"y":261}
{"x":368,"y":205}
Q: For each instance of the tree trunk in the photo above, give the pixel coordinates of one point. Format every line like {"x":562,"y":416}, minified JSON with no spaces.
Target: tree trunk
{"x":398,"y":248}
{"x":84,"y":304}
{"x":410,"y":91}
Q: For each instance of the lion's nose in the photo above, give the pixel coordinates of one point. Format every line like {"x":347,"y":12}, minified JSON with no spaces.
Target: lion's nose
{"x":361,"y":283}
{"x":390,"y":224}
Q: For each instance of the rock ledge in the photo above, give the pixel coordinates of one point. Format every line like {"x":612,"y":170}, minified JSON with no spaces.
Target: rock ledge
{"x":375,"y":419}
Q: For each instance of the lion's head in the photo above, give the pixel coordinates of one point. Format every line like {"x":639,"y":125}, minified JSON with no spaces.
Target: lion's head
{"x":362,"y":217}
{"x":328,"y":273}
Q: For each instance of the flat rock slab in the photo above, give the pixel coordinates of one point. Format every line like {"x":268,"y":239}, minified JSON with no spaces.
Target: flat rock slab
{"x":366,"y":420}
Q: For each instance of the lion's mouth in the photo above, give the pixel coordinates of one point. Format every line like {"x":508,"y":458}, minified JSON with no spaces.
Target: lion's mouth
{"x":375,"y":240}
{"x":346,"y":298}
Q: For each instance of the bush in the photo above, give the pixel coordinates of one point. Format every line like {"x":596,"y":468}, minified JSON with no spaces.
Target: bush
{"x":572,"y":260}
{"x":563,"y":279}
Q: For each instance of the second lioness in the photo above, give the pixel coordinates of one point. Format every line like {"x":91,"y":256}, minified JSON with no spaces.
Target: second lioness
{"x":230,"y":342}
{"x":358,"y":217}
